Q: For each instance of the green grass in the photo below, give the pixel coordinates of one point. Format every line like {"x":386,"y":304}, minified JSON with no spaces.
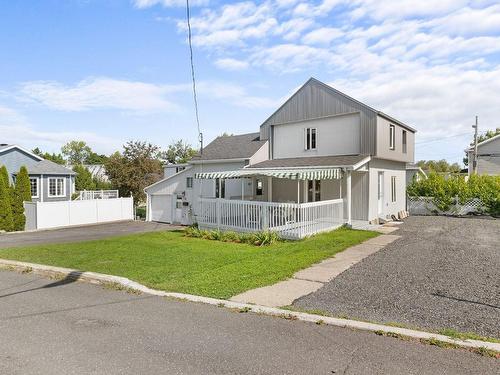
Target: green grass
{"x":466,"y":335}
{"x":172,"y":262}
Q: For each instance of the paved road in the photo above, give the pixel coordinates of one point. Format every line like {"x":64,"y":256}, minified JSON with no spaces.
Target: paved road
{"x":83,"y":233}
{"x":51,"y":327}
{"x":443,"y":273}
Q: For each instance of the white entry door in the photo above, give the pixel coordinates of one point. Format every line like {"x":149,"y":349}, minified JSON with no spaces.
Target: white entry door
{"x":380,"y":193}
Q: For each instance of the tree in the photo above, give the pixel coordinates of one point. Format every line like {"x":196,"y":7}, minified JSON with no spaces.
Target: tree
{"x":56,"y":158}
{"x":6,"y":222}
{"x":134,"y":169}
{"x":83,"y":179}
{"x":178,"y":152}
{"x":5,"y":175}
{"x":76,"y":152}
{"x":481,"y":138}
{"x":440,"y":166}
{"x":95,"y":158}
{"x":22,"y":193}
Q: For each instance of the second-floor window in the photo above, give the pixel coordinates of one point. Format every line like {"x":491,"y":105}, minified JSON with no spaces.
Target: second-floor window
{"x":404,"y":142}
{"x":392,"y":137}
{"x":310,"y":139}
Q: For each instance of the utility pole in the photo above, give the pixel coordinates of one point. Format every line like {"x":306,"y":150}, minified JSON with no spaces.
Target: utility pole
{"x":474,"y":160}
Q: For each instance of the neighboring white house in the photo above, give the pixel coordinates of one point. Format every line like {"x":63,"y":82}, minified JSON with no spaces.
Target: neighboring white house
{"x":488,"y":156}
{"x":321,"y":160}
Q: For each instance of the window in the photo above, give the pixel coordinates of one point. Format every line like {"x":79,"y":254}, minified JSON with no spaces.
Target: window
{"x":258,"y":187}
{"x":189,"y":182}
{"x":57,"y":187}
{"x":392,"y":136}
{"x":220,"y":193}
{"x":34,"y":187}
{"x":313,"y":190}
{"x":393,"y":188}
{"x":404,"y":142}
{"x":310,"y":141}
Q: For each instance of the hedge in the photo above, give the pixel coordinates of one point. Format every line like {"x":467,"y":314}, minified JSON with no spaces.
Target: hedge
{"x":445,"y":190}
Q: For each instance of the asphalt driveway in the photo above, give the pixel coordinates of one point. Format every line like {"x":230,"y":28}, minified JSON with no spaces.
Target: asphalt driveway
{"x":443,"y":273}
{"x":81,"y":233}
{"x":61,"y":327}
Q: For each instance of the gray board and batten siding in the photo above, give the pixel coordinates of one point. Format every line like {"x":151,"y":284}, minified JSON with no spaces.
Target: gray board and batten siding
{"x":314,"y":100}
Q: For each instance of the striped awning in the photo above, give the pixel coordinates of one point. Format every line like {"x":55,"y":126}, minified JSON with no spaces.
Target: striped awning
{"x":293,"y":174}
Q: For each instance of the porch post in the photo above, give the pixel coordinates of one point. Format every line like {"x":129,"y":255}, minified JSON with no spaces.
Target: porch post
{"x":298,"y":191}
{"x":349,"y":198}
{"x":242,"y":190}
{"x":269,"y":189}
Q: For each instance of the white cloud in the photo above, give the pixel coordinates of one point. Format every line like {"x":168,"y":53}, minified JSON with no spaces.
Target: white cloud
{"x":323,"y":35}
{"x":102,"y":93}
{"x":16,"y":129}
{"x":141,"y":4}
{"x":231,"y":64}
{"x":235,"y":95}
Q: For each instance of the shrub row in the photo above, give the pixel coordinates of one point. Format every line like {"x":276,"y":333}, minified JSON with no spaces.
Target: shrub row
{"x":257,"y":239}
{"x":446,"y":191}
{"x":11,"y":200}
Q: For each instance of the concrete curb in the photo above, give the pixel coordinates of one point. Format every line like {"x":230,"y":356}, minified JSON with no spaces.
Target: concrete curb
{"x":99,"y":278}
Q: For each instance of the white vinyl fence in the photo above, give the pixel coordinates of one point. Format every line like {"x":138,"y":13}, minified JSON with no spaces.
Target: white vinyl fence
{"x":289,"y":220}
{"x":425,"y":206}
{"x":43,"y":215}
{"x":97,"y":194}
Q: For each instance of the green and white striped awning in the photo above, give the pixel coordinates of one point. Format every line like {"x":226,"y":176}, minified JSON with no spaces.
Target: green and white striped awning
{"x":293,"y":174}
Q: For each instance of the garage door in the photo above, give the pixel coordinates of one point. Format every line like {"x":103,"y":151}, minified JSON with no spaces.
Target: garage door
{"x":161,"y":208}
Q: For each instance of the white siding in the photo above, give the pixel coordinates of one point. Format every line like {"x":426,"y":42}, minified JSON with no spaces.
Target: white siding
{"x":389,"y":168}
{"x":337,"y":135}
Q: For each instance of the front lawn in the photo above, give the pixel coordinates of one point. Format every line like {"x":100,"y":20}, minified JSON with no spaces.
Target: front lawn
{"x":172,"y":262}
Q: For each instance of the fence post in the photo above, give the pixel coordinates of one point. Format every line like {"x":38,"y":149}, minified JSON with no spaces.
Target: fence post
{"x":217,"y":212}
{"x":265,"y":221}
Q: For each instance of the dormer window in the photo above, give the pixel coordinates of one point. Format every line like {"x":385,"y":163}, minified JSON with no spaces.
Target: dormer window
{"x":310,"y":139}
{"x":392,"y":137}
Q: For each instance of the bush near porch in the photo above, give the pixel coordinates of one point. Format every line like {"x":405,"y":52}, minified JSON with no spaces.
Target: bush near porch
{"x":444,"y":191}
{"x":172,"y":262}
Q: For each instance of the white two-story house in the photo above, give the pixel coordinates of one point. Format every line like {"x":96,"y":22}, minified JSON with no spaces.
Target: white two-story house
{"x":321,"y":160}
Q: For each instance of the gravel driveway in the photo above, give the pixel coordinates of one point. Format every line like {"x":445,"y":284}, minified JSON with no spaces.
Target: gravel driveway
{"x":443,"y":273}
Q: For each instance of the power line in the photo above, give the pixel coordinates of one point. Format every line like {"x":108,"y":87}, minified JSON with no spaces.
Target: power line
{"x":200,"y":134}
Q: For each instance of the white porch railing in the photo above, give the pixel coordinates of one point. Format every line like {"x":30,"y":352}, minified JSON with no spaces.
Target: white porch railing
{"x":97,"y":194}
{"x":289,"y":220}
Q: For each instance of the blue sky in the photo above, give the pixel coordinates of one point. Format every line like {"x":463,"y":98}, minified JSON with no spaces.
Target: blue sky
{"x":107,"y":71}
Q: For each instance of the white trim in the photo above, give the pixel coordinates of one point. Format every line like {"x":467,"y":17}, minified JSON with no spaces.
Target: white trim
{"x":56,"y":195}
{"x":37,"y":187}
{"x":360,"y":163}
{"x":22,"y":149}
{"x":392,"y":137}
{"x":393,"y":189}
{"x":165,"y":179}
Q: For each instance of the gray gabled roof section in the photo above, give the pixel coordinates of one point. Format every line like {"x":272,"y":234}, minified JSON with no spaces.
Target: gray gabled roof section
{"x":242,"y":146}
{"x":320,"y":106}
{"x":49,"y":167}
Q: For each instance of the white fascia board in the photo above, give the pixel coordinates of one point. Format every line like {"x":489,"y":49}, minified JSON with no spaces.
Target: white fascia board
{"x":166,"y":179}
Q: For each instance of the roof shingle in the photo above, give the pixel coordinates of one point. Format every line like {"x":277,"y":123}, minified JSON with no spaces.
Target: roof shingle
{"x":241,"y":146}
{"x":312,"y":161}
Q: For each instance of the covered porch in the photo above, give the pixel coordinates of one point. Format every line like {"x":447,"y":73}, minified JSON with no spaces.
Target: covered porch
{"x":294,"y":202}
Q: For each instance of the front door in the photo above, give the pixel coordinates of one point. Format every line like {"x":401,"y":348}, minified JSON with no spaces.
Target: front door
{"x":380,"y":193}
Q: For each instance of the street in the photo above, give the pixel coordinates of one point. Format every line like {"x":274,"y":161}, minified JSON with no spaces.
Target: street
{"x":58,"y":327}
